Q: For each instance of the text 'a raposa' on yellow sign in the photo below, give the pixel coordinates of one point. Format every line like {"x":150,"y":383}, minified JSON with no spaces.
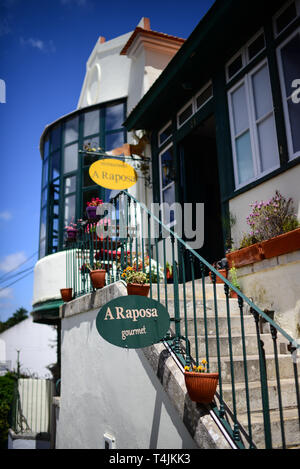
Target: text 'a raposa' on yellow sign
{"x":113,"y":174}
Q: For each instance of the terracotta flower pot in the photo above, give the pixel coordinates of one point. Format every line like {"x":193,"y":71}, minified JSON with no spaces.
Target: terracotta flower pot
{"x":233,"y":294}
{"x":218,"y":279}
{"x":201,"y":387}
{"x":282,"y":244}
{"x":66,"y":294}
{"x":138,"y":289}
{"x":98,"y":278}
{"x":245,"y":256}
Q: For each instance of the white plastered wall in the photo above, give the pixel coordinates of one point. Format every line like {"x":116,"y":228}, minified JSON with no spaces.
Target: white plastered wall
{"x":107,"y":389}
{"x":288,"y":184}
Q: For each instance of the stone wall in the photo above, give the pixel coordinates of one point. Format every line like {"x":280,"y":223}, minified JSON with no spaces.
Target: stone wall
{"x":274,"y":284}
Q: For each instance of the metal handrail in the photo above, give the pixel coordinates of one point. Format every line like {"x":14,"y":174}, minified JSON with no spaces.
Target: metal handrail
{"x":86,"y":247}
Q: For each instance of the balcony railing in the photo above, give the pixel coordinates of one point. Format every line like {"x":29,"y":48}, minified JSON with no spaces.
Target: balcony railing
{"x":257,"y":399}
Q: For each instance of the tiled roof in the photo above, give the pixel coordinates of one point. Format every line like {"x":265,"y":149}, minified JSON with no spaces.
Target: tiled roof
{"x":149,"y":33}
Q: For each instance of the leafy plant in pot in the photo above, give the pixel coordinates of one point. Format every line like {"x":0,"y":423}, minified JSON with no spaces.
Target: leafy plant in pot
{"x":97,"y":274}
{"x":91,"y":209}
{"x":233,"y":277}
{"x":222,"y":267}
{"x":71,"y":230}
{"x":274,"y":231}
{"x":136,"y":281}
{"x":200,"y":384}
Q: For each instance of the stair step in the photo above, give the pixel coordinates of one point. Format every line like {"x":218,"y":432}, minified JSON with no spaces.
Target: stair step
{"x":287,"y":388}
{"x":236,"y":345}
{"x":291,"y":428}
{"x":199,"y":307}
{"x":284,"y":361}
{"x":209,"y":290}
{"x":194,"y":301}
{"x":235,"y":325}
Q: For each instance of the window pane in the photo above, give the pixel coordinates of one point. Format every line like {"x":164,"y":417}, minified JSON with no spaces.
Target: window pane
{"x":185,"y":114}
{"x":295,"y":124}
{"x":70,"y":158}
{"x":240,"y":110}
{"x":87,"y":181}
{"x":268,"y":144}
{"x":71,"y":130}
{"x":291,"y":64}
{"x":43,"y":223}
{"x":42,"y":248}
{"x":70,"y":185}
{"x":165,"y":134}
{"x":55,"y":170}
{"x":167,"y":171}
{"x":256,"y":46}
{"x":235,"y":66}
{"x":114,"y":140}
{"x":55,"y":138}
{"x":44,"y":196}
{"x":244,"y":158}
{"x":69,"y":215}
{"x":91,"y":143}
{"x":91,"y":123}
{"x":45,"y":173}
{"x":169,"y":198}
{"x":286,"y":17}
{"x":262,"y":92}
{"x":114,"y":117}
{"x":204,"y":96}
{"x":46,"y":146}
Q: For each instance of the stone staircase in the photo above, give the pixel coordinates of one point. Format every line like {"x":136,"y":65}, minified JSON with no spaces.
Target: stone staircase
{"x":287,"y":382}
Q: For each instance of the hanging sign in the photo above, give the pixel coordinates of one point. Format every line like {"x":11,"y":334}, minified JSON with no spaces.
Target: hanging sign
{"x":113,"y":174}
{"x":133,"y":321}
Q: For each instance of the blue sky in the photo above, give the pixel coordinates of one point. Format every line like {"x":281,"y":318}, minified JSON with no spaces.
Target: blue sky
{"x":44,"y":46}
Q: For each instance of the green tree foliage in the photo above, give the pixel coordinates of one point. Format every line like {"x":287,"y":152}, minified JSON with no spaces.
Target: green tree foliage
{"x":17,"y":317}
{"x":7,"y":383}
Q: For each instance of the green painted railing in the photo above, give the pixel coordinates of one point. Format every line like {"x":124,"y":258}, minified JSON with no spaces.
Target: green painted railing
{"x":257,"y":399}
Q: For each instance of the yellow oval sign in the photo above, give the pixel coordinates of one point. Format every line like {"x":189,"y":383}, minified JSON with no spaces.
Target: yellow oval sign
{"x":113,"y":174}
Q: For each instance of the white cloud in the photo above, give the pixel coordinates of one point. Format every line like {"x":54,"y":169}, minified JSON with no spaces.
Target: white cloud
{"x":6,"y":293}
{"x":12,"y":261}
{"x":38,"y":44}
{"x":5,"y":215}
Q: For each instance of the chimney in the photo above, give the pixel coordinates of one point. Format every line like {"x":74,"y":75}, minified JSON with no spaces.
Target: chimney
{"x":144,"y":23}
{"x":101,"y":39}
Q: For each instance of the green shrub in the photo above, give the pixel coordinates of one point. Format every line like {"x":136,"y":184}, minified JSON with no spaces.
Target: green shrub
{"x":7,"y":384}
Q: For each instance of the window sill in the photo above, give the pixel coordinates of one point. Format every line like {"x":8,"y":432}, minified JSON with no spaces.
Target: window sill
{"x":257,"y":182}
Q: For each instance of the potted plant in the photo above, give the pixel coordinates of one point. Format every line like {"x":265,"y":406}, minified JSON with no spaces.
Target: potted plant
{"x":91,"y":209}
{"x":97,"y":274}
{"x":200,"y":384}
{"x":250,"y":251}
{"x":136,"y":281}
{"x":66,"y":294}
{"x":169,"y":272}
{"x":157,"y":271}
{"x":234,"y":280}
{"x":222,"y":267}
{"x":274,"y":231}
{"x":71,"y":230}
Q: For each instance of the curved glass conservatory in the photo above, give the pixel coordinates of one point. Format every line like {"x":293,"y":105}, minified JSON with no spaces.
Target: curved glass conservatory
{"x":66,"y":185}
